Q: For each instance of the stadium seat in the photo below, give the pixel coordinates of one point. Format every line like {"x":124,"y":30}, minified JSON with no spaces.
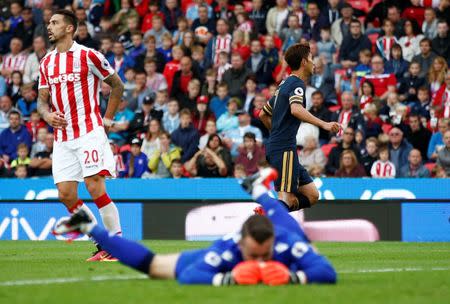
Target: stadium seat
{"x":354,"y":230}
{"x":326,"y":149}
{"x":386,"y":128}
{"x":334,"y":108}
{"x":430,"y":166}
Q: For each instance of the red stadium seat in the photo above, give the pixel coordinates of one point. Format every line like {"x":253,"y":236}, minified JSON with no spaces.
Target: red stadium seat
{"x":334,"y":108}
{"x":125,"y":148}
{"x":326,"y":149}
{"x":430,"y":166}
{"x":386,"y":128}
{"x":362,"y":5}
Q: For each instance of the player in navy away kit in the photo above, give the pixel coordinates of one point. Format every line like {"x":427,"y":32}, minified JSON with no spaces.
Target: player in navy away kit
{"x":282,"y":115}
{"x":272,"y":250}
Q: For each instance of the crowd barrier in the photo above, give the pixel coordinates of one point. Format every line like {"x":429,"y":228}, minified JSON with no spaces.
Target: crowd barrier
{"x":401,"y":209}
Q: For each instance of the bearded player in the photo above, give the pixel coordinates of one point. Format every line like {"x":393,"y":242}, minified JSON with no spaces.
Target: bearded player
{"x":69,"y":85}
{"x":282,"y":115}
{"x":272,"y":250}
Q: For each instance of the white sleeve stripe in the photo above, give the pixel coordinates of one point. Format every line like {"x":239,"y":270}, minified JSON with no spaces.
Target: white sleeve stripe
{"x":301,"y":277}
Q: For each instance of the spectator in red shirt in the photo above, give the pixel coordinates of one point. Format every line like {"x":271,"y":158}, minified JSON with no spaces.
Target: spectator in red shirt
{"x":34,"y":124}
{"x":415,"y":11}
{"x":182,"y":77}
{"x":173,"y":66}
{"x":153,"y":9}
{"x":383,"y":83}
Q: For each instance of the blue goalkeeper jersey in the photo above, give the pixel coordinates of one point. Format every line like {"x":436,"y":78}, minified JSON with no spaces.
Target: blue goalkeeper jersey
{"x":291,"y":247}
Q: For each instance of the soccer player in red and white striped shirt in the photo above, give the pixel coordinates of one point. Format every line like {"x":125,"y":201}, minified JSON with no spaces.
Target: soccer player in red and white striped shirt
{"x":69,"y":84}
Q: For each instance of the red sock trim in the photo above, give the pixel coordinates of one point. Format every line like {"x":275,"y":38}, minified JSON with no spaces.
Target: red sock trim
{"x":102,"y":201}
{"x":75,"y":207}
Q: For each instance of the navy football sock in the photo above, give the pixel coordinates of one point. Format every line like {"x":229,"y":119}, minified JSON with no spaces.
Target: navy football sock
{"x":128,"y":252}
{"x":303,"y":201}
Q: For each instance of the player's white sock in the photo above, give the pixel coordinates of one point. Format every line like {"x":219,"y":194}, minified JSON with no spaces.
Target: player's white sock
{"x":109,"y":214}
{"x":89,"y":213}
{"x":258,"y":190}
{"x":82,"y":206}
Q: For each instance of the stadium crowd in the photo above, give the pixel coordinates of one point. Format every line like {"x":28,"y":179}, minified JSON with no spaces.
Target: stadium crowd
{"x":198,"y":72}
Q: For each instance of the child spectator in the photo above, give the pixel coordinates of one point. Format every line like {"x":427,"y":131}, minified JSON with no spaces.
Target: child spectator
{"x":202,"y":114}
{"x":396,"y":64}
{"x":176,"y":169}
{"x":325,"y":46}
{"x":21,"y":171}
{"x":171,"y":118}
{"x":13,"y":89}
{"x":183,"y":27}
{"x":219,"y":103}
{"x":240,"y":44}
{"x":22,"y":156}
{"x":161,"y":160}
{"x":151,"y":140}
{"x":28,"y":102}
{"x":367,"y":96}
{"x":198,"y":58}
{"x":137,"y":161}
{"x":222,"y":65}
{"x":166,"y":48}
{"x":239,"y":171}
{"x":189,"y":100}
{"x":138,"y":48}
{"x":385,"y":43}
{"x":34,"y":124}
{"x":371,"y":154}
{"x":129,"y":83}
{"x":186,"y":136}
{"x":244,"y":23}
{"x":292,"y":33}
{"x":173,"y":66}
{"x":153,"y":9}
{"x":161,"y":100}
{"x":373,"y":121}
{"x":209,"y":86}
{"x":383,"y":168}
{"x":316,"y":171}
{"x":410,"y":84}
{"x":210,"y":129}
{"x":155,"y":81}
{"x":39,"y":142}
{"x":423,"y":105}
{"x":228,"y":120}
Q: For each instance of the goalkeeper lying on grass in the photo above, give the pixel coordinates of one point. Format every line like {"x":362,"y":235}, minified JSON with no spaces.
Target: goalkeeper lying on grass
{"x":271,"y":249}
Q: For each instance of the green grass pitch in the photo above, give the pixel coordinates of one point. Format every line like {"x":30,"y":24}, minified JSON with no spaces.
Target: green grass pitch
{"x":383,"y":272}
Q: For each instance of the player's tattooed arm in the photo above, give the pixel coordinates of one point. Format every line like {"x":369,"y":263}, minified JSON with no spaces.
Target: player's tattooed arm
{"x":55,"y":119}
{"x":114,"y":99}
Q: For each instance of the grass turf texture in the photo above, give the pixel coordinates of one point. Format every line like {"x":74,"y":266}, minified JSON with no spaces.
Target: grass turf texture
{"x":427,"y":281}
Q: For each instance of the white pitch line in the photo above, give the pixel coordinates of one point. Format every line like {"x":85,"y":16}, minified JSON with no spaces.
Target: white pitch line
{"x":382,"y":270}
{"x":72,"y":280}
{"x":141,"y":277}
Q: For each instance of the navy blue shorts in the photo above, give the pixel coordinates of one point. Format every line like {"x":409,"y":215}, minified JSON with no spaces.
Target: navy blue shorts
{"x":291,"y":174}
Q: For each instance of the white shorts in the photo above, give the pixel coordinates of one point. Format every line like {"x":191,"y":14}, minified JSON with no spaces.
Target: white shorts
{"x":82,"y":157}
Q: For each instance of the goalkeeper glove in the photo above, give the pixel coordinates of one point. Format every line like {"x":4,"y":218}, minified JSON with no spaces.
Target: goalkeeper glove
{"x":244,"y":273}
{"x":275,"y":273}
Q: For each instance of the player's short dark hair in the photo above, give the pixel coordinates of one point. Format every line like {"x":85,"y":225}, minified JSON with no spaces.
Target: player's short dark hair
{"x":295,"y":55}
{"x":69,"y":18}
{"x":258,"y":227}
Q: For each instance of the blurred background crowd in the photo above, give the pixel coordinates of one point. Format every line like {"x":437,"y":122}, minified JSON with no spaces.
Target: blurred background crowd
{"x":198,"y":72}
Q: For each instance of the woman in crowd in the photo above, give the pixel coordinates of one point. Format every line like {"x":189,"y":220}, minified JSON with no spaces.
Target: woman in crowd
{"x":151,"y":141}
{"x":349,"y":165}
{"x":202,"y":115}
{"x":161,"y":160}
{"x":436,"y":75}
{"x":311,"y":154}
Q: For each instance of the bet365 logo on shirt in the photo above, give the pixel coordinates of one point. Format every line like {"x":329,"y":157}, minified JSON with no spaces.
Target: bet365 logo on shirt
{"x":63,"y":78}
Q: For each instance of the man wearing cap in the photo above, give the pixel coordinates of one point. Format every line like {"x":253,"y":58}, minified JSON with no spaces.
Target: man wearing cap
{"x":139,"y":123}
{"x":121,"y":121}
{"x":234,"y":138}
